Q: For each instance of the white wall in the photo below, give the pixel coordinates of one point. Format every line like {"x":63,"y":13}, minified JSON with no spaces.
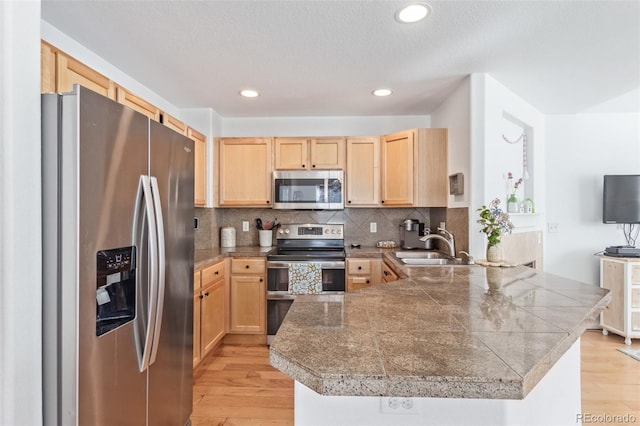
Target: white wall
{"x":320,"y":126}
{"x":455,"y":114}
{"x":580,"y":150}
{"x":491,"y":102}
{"x":20,"y":215}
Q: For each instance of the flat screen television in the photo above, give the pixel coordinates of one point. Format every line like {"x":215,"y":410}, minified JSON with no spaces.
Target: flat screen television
{"x":621,"y":199}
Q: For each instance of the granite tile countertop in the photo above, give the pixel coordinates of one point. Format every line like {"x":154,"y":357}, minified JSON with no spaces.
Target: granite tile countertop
{"x":206,"y":257}
{"x":443,"y":331}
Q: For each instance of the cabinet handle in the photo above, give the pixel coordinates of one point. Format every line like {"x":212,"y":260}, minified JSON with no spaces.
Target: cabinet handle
{"x":247,"y":266}
{"x":382,"y":201}
{"x":385,"y":272}
{"x":206,"y":294}
{"x":267,"y":201}
{"x":216,"y":272}
{"x":260,"y":279}
{"x":304,"y":166}
{"x":349,"y":202}
{"x":367,"y":281}
{"x":359,"y":267}
{"x":314,"y":166}
{"x":201,"y":297}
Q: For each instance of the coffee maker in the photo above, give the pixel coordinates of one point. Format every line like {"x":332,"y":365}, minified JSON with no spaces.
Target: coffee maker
{"x":410,"y":232}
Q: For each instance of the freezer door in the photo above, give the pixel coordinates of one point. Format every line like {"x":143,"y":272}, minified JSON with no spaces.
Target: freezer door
{"x":171,"y":373}
{"x":112,"y":154}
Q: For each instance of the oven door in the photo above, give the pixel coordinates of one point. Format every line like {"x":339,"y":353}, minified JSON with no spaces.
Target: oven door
{"x":278,"y":298}
{"x":333,"y":277}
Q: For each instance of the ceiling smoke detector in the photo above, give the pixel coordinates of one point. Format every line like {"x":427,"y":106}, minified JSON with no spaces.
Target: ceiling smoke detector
{"x":413,"y":13}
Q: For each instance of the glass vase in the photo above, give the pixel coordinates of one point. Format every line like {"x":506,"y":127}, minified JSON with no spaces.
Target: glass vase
{"x":512,"y":204}
{"x":494,"y":253}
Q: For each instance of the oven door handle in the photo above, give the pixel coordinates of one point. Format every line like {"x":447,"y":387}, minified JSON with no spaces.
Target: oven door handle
{"x":323,"y":265}
{"x":280,"y":295}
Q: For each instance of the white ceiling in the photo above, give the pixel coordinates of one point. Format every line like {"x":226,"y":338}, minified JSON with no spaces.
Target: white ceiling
{"x":323,"y":58}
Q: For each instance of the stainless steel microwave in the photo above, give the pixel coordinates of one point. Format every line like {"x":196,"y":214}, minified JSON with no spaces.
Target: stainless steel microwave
{"x":300,"y":189}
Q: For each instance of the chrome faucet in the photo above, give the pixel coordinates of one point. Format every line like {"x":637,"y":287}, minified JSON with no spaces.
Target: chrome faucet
{"x":447,"y":238}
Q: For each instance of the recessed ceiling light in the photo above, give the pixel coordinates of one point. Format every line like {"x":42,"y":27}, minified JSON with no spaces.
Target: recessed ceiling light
{"x":249,"y":93}
{"x":382,"y":92}
{"x":413,"y":13}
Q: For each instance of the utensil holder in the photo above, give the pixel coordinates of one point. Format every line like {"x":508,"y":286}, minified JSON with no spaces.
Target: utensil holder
{"x":266,"y":237}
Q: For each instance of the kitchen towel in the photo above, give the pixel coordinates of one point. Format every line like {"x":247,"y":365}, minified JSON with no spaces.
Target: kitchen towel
{"x":305,"y":278}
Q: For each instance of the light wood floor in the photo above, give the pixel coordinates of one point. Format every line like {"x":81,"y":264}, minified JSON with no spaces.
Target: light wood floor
{"x":237,"y":386}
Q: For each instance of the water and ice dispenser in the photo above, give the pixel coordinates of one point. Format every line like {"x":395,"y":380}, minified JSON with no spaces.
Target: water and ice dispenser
{"x":116,"y":288}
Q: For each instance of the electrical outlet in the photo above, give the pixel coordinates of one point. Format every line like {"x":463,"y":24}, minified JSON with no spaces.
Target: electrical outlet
{"x":553,"y":228}
{"x":245,"y":226}
{"x":396,"y":405}
{"x":373,"y":227}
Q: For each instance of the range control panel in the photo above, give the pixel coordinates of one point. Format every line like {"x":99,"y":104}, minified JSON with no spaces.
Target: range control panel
{"x":314,"y":231}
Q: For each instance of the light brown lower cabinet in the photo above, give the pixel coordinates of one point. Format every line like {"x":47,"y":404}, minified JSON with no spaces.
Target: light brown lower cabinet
{"x":362,"y":273}
{"x":209,"y":310}
{"x":248,"y":296}
{"x":387,"y":274}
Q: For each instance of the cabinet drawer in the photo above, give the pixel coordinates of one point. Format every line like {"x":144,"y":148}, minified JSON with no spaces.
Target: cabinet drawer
{"x":359,"y":266}
{"x":196,"y":281}
{"x":635,"y":274}
{"x":247,"y":266}
{"x":212,"y":273}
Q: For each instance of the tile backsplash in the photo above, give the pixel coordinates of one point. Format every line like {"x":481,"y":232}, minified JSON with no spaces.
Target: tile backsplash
{"x":356,"y":223}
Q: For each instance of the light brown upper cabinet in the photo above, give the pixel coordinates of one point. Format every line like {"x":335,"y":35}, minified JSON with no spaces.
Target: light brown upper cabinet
{"x":200,"y":167}
{"x":174,"y":124}
{"x":363,"y":172}
{"x":70,"y":72}
{"x":136,"y":103}
{"x":47,"y":68}
{"x":414,"y":168}
{"x":244,"y":167}
{"x":309,"y":154}
{"x":398,"y":165}
{"x":432,"y":171}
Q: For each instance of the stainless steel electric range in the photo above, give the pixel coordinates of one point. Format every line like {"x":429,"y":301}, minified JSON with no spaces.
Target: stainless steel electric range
{"x":300,"y":243}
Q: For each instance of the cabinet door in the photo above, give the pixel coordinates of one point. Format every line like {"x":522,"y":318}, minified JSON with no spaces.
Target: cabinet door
{"x":174,"y":124}
{"x":245,"y":172}
{"x":196,"y":328}
{"x":248,"y":304}
{"x":613,"y":279}
{"x":200,"y":167}
{"x":398,"y":155}
{"x":363,"y":172}
{"x":291,"y":154}
{"x":387,"y":273}
{"x":136,"y":103}
{"x":70,"y":72}
{"x":47,"y":68}
{"x":212,"y":323}
{"x":327,"y":153}
{"x":432,"y":175}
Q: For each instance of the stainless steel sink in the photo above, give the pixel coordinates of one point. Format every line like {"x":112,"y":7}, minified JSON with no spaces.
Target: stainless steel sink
{"x":426,"y":258}
{"x":420,"y":254}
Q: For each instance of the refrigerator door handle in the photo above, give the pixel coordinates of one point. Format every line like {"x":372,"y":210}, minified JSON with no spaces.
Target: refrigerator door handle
{"x":147,"y":195}
{"x":157,"y":324}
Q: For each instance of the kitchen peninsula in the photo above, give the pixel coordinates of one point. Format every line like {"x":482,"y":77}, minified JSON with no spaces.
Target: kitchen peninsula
{"x":452,"y":344}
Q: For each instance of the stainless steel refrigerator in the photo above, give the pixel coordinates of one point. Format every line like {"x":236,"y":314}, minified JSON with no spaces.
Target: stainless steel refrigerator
{"x":117,"y":265}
